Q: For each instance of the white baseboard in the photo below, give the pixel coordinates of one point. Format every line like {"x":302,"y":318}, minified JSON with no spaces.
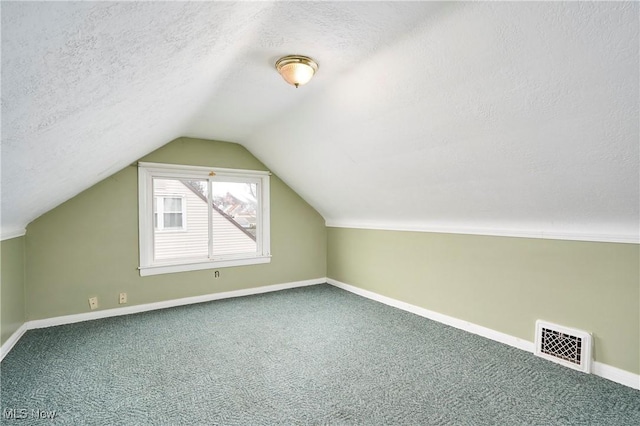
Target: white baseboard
{"x":599,"y":369}
{"x":616,"y":375}
{"x":70,"y":319}
{"x":12,"y":340}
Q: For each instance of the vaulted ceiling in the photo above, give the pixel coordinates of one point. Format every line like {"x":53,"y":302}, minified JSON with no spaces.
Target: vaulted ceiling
{"x":498,"y":118}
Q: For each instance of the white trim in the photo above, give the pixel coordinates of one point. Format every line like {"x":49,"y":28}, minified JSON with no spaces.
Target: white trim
{"x":149,"y":171}
{"x":8,"y":235}
{"x":264,"y":216}
{"x":571,"y":236}
{"x":145,"y":221}
{"x":12,"y":340}
{"x":616,"y":375}
{"x":106,"y":313}
{"x":198,"y":266}
{"x":441,"y":318}
{"x":599,"y":369}
{"x":88,"y":316}
{"x":160,"y":212}
{"x":199,"y":170}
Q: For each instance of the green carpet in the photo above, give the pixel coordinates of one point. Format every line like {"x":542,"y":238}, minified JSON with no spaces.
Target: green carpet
{"x":316,"y":355}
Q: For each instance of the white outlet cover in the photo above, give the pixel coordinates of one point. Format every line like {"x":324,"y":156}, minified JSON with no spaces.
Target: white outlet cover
{"x":93,"y":302}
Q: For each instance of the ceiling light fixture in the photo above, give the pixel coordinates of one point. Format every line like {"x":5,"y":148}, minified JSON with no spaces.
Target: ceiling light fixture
{"x":296,"y":70}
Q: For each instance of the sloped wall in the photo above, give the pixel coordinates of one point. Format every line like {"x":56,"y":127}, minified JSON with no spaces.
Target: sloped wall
{"x":88,"y":246}
{"x":12,"y":281}
{"x":503,"y":283}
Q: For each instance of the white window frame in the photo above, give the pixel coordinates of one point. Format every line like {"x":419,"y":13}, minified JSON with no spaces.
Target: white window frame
{"x":149,"y":171}
{"x":160,"y":211}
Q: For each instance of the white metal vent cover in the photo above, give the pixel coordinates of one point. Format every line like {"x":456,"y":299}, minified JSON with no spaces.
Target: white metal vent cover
{"x":563,"y":345}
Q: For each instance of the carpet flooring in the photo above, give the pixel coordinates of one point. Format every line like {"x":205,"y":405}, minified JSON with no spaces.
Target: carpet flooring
{"x":314,"y":356}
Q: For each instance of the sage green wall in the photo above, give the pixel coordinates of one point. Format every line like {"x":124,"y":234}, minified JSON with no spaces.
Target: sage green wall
{"x":503,"y":283}
{"x":12,"y":279}
{"x":88,"y":246}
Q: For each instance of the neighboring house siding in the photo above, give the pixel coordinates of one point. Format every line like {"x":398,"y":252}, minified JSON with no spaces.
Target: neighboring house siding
{"x":228,"y":239}
{"x":192,"y":242}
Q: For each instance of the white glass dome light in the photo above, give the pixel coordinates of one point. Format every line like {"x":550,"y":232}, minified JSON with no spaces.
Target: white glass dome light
{"x":296,"y":70}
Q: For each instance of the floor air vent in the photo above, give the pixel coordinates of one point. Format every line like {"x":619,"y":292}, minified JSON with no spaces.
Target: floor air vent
{"x":566,"y":346}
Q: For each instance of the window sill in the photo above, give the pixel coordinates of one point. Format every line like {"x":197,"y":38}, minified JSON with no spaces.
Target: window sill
{"x":197,"y":266}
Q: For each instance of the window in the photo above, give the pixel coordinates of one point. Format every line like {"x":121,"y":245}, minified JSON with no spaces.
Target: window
{"x":169,"y":213}
{"x":195,"y":218}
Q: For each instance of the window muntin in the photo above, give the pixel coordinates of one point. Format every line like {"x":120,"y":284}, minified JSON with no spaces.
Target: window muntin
{"x":222,"y":218}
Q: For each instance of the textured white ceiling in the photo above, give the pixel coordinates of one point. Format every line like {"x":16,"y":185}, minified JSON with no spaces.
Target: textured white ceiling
{"x":503,"y":118}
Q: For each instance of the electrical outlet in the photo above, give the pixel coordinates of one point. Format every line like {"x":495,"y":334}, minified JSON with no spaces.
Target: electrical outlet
{"x":123,"y":298}
{"x":93,"y":303}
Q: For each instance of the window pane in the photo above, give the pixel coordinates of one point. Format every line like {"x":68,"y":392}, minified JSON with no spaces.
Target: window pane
{"x":235,"y":207}
{"x":172,"y":205}
{"x":173,"y":220}
{"x":180,"y":233}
